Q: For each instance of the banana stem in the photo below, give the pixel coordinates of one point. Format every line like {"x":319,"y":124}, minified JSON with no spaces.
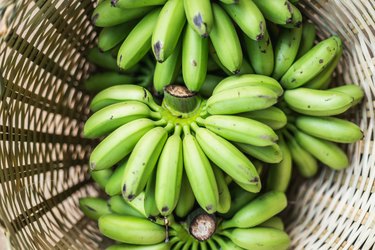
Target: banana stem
{"x":169,"y":126}
{"x":177,"y":130}
{"x":194,"y":126}
{"x":180,"y":100}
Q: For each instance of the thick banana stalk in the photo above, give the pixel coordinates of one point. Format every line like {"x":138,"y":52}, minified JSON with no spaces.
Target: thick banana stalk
{"x":272,"y":116}
{"x":94,"y":207}
{"x":268,"y":154}
{"x":118,"y":205}
{"x":113,"y":186}
{"x":199,"y":16}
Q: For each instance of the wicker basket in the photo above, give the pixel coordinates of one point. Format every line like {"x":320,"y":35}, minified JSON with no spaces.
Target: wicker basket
{"x":43,"y":157}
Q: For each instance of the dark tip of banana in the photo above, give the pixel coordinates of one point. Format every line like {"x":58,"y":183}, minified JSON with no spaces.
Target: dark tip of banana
{"x":254,"y":180}
{"x":205,"y":35}
{"x":92,"y":165}
{"x":114,"y":3}
{"x":209,"y":207}
{"x":157,"y":48}
{"x":289,"y":20}
{"x":298,"y":24}
{"x":94,"y":18}
{"x":260,"y":37}
{"x":165,"y":209}
{"x":236,"y":72}
{"x":131,"y":197}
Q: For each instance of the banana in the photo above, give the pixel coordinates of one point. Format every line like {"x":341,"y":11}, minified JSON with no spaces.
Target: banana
{"x":225,"y":244}
{"x":229,"y":1}
{"x":166,"y":72}
{"x":199,"y":16}
{"x":248,"y":17}
{"x":296,"y":20}
{"x":311,"y":64}
{"x":215,"y":58}
{"x":326,"y":152}
{"x":109,"y":37}
{"x":268,"y":154}
{"x":142,"y":161}
{"x":317,"y":102}
{"x":280,"y":174}
{"x":273,"y":31}
{"x":246,"y":67}
{"x":118,"y":205}
{"x":130,"y":4}
{"x":123,"y":93}
{"x":150,"y":202}
{"x":101,"y":177}
{"x":240,"y":129}
{"x":100,"y":81}
{"x":272,"y":116}
{"x":119,"y":144}
{"x":167,"y":30}
{"x":160,"y":246}
{"x":199,"y":172}
{"x":355,"y":91}
{"x":224,"y":201}
{"x":211,"y":244}
{"x":276,"y":11}
{"x":247,"y":80}
{"x":102,"y":59}
{"x":105,"y":15}
{"x":240,"y":100}
{"x":257,"y":211}
{"x":211,"y":64}
{"x":229,"y":52}
{"x":132,"y":230}
{"x":113,"y":186}
{"x":194,"y":58}
{"x":203,"y":245}
{"x":286,"y":50}
{"x":275,"y":222}
{"x":113,"y":116}
{"x":169,"y":174}
{"x":230,"y":160}
{"x":259,"y":238}
{"x":137,"y":43}
{"x":209,"y":85}
{"x":307,"y":39}
{"x":94,"y":207}
{"x":186,"y":200}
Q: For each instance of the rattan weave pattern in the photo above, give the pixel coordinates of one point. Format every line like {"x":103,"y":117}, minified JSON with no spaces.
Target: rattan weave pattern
{"x":43,"y":157}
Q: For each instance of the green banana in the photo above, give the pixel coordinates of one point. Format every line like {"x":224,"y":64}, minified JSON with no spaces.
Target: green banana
{"x":272,"y":116}
{"x":100,"y":81}
{"x":274,"y":31}
{"x":209,"y":85}
{"x":199,"y":16}
{"x":296,"y":20}
{"x":355,"y":91}
{"x":113,"y":116}
{"x":137,"y":43}
{"x":199,"y":172}
{"x":268,"y":154}
{"x":248,"y":17}
{"x":167,"y":30}
{"x":229,"y":52}
{"x":194,"y":58}
{"x":317,"y":102}
{"x":307,"y":39}
{"x":94,"y":207}
{"x":132,"y":230}
{"x":110,"y":37}
{"x":216,"y":60}
{"x":224,"y":201}
{"x":130,"y":4}
{"x":142,"y":161}
{"x":169,"y":174}
{"x":230,"y":160}
{"x":101,"y":177}
{"x":105,"y":15}
{"x":276,"y":11}
{"x":150,"y":201}
{"x":229,"y":1}
{"x":275,"y":222}
{"x":119,"y":144}
{"x":123,"y":93}
{"x":240,"y":100}
{"x":246,"y":67}
{"x":311,"y":64}
{"x":118,"y":205}
{"x":257,"y":211}
{"x":102,"y":59}
{"x":240,"y":129}
{"x":211,"y":64}
{"x":160,"y":246}
{"x":186,"y":200}
{"x":286,"y":50}
{"x":113,"y":186}
{"x":225,"y":244}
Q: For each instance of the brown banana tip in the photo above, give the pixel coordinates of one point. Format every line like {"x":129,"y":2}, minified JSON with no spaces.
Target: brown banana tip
{"x":237,"y":71}
{"x":289,"y":20}
{"x":298,"y":24}
{"x":259,"y":37}
{"x":114,"y":3}
{"x":254,"y":180}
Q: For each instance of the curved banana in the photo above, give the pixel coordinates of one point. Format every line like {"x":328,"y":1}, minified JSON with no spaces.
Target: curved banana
{"x":276,"y":11}
{"x":216,"y":60}
{"x":142,"y":161}
{"x":224,"y":201}
{"x":94,"y":207}
{"x":240,"y":129}
{"x":150,"y":202}
{"x":160,"y":246}
{"x":132,"y":230}
{"x":275,"y":222}
{"x":199,"y":16}
{"x":355,"y":91}
{"x":200,"y":174}
{"x":186,"y":200}
{"x":110,"y":37}
{"x":102,"y":59}
{"x":272,"y":116}
{"x":119,"y":144}
{"x":296,"y":20}
{"x":100,"y":81}
{"x":113,"y":186}
{"x":118,"y":205}
{"x":194,"y":58}
{"x":130,"y":4}
{"x":168,"y":28}
{"x":307,"y":39}
{"x":101,"y":177}
{"x":209,"y":85}
{"x":248,"y":17}
{"x":317,"y":102}
{"x":137,"y":43}
{"x":268,"y":154}
{"x":229,"y":52}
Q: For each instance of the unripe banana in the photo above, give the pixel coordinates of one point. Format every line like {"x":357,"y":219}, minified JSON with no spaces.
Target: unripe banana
{"x":286,"y":50}
{"x":137,"y":43}
{"x":113,"y":186}
{"x":215,"y":58}
{"x":296,"y":21}
{"x":100,"y":81}
{"x":169,"y":174}
{"x":225,"y":244}
{"x":194,"y":58}
{"x":224,"y":201}
{"x":94,"y":207}
{"x":186,"y":200}
{"x":272,"y":116}
{"x":275,"y":222}
{"x":105,"y":15}
{"x":209,"y":85}
{"x":268,"y":154}
{"x":229,"y":1}
{"x":123,"y":93}
{"x":276,"y":11}
{"x":142,"y":162}
{"x":168,"y":28}
{"x":240,"y":129}
{"x":230,"y":160}
{"x":160,"y":246}
{"x":307,"y":39}
{"x":203,"y":245}
{"x":241,"y":99}
{"x":102,"y":59}
{"x":131,"y":230}
{"x":199,"y":172}
{"x":326,"y":152}
{"x":199,"y":16}
{"x":317,"y":102}
{"x":118,"y":205}
{"x":246,"y":67}
{"x":119,"y":144}
{"x":248,"y":17}
{"x":150,"y":202}
{"x":355,"y":91}
{"x":130,"y":4}
{"x":311,"y":64}
{"x":101,"y":177}
{"x":228,"y":53}
{"x":109,"y":37}
{"x":257,"y":211}
{"x":248,"y":80}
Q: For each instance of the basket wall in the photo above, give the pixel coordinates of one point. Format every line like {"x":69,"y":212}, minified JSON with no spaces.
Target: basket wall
{"x":43,"y":157}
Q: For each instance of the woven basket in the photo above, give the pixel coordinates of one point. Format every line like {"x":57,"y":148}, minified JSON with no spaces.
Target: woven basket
{"x":43,"y":157}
